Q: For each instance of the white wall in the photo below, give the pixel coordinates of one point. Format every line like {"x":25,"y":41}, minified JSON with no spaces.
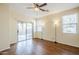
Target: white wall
{"x":69,"y":39}
{"x":48,"y":31}
{"x":4,"y":27}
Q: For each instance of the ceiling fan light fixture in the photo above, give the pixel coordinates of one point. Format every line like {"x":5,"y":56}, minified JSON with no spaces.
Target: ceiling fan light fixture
{"x":36,"y":9}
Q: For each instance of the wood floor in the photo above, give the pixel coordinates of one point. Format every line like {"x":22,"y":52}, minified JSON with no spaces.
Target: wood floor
{"x":40,"y":47}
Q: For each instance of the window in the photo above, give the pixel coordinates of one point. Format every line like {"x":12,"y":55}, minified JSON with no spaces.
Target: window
{"x":69,"y":23}
{"x":38,"y":25}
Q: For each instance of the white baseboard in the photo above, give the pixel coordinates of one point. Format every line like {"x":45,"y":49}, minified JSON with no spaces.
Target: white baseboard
{"x":5,"y":48}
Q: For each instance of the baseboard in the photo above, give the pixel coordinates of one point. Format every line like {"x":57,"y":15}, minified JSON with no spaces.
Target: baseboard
{"x":13,"y":44}
{"x":67,"y":45}
{"x":60,"y":43}
{"x":2,"y":50}
{"x":38,"y":38}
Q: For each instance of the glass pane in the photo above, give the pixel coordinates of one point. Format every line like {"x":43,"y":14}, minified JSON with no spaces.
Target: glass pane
{"x":69,"y":28}
{"x":29,"y":31}
{"x":39,"y":28}
{"x":39,"y":25}
{"x":19,"y":28}
{"x":24,"y":28}
{"x":21,"y":31}
{"x":69,"y":23}
{"x":69,"y":19}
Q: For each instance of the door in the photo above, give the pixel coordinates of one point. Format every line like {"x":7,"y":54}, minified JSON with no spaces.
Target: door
{"x":24,"y":31}
{"x":29,"y":29}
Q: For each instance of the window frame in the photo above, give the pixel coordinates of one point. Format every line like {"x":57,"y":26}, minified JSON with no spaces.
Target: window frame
{"x":70,"y":24}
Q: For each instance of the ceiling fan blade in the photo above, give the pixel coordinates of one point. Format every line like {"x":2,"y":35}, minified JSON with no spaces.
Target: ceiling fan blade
{"x":43,"y":10}
{"x":43,"y":5}
{"x":36,"y":5}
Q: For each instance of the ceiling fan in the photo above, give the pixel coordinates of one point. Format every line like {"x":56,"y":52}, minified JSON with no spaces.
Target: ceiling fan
{"x":37,"y":7}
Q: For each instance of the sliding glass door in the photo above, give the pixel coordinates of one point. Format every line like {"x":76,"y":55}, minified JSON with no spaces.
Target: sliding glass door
{"x":25,"y":31}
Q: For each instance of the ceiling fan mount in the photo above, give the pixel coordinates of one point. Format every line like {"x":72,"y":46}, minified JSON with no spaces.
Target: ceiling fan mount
{"x":37,"y":6}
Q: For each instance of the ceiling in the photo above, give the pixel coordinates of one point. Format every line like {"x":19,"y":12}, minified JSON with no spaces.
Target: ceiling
{"x":52,"y":7}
